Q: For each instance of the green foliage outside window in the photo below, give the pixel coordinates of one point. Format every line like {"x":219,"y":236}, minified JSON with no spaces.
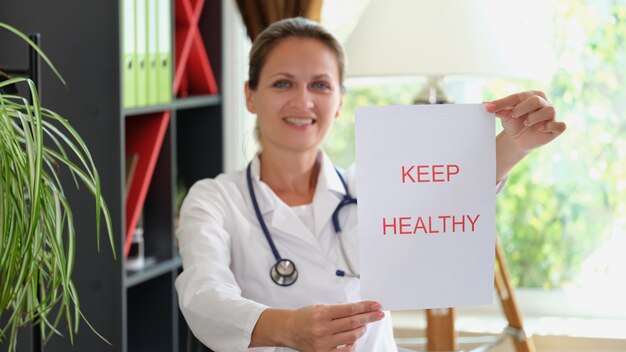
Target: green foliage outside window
{"x":566,"y":199}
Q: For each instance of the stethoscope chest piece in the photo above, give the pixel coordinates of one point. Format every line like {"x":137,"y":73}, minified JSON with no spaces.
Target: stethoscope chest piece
{"x":284,"y":272}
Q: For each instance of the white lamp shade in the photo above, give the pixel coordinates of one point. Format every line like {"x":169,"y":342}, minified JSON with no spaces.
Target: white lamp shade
{"x":452,"y":37}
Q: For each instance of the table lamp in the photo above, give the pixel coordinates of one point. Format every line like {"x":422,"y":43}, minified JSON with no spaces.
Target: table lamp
{"x":440,"y":38}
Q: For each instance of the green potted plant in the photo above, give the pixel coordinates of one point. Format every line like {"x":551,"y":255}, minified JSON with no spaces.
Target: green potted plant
{"x":37,"y":234}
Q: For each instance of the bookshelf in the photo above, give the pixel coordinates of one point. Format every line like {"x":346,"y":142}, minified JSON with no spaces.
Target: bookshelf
{"x":133,"y":310}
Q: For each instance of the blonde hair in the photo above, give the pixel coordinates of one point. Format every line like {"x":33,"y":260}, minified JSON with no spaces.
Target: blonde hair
{"x":297,"y":27}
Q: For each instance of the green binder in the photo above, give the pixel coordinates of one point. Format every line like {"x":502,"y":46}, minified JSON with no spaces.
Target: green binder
{"x":164,"y":47}
{"x":129,"y":63}
{"x":141,"y":53}
{"x":152,"y":54}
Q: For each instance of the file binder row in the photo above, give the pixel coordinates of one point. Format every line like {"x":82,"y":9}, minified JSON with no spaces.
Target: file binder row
{"x":147,"y":52}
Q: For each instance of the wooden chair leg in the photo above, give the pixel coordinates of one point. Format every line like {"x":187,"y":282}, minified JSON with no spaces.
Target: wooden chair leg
{"x":440,"y":330}
{"x":506,"y":294}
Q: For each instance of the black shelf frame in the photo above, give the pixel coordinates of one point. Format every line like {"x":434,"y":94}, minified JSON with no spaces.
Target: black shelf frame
{"x":136,"y":277}
{"x":199,"y":101}
{"x":33,"y":71}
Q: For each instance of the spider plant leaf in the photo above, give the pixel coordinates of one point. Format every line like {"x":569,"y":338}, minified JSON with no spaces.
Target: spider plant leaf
{"x":37,"y":238}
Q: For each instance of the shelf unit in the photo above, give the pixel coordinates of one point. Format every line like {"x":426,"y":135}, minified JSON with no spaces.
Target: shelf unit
{"x":133,"y":310}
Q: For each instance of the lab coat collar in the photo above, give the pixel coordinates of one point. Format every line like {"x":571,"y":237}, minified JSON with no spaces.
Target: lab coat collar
{"x":328,"y":193}
{"x":328,"y":178}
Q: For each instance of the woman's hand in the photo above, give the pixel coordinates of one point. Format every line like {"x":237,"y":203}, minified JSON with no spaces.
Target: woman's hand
{"x":322,"y":327}
{"x":325,"y":327}
{"x":529,"y":122}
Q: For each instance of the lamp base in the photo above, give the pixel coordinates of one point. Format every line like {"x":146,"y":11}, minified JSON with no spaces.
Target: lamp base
{"x":432,"y":93}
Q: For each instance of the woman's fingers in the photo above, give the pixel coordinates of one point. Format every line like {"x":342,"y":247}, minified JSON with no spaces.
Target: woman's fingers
{"x":344,"y":348}
{"x":348,"y":337}
{"x":328,"y":326}
{"x":505,"y":114}
{"x":512,"y":100}
{"x":350,"y":309}
{"x":522,"y":110}
{"x":531,"y":105}
{"x":355,"y":321}
{"x":348,"y":321}
{"x":554,"y":127}
{"x":351,"y":323}
{"x":546,"y":113}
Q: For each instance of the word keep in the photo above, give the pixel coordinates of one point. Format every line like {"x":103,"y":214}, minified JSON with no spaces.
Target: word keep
{"x":429,"y":173}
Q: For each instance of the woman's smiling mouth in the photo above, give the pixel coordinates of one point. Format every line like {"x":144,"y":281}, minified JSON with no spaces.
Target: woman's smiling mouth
{"x":299,"y":121}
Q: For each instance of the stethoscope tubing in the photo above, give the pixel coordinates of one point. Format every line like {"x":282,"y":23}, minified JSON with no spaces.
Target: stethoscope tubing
{"x":255,"y":204}
{"x":288,"y":279}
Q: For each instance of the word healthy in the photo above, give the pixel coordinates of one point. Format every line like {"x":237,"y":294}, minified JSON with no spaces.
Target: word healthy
{"x":431,"y":224}
{"x":407,"y":225}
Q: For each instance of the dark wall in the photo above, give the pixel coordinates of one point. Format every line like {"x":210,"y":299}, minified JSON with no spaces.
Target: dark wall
{"x":82,"y":40}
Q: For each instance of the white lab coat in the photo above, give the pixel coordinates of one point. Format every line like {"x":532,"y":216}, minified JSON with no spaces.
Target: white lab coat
{"x":226,"y":283}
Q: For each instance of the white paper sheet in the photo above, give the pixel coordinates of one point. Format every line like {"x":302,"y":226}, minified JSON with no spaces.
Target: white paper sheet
{"x":426,"y":205}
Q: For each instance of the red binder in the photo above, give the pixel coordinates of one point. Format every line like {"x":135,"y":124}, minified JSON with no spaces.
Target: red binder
{"x":144,"y":137}
{"x":193,"y":74}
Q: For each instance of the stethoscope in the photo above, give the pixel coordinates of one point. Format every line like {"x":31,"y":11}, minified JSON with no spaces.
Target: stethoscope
{"x":284,"y":272}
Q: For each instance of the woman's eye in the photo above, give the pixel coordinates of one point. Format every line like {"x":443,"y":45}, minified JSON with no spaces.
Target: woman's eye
{"x":321,"y":85}
{"x":281,"y":84}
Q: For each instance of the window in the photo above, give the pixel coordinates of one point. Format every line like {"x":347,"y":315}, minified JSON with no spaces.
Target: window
{"x":562,"y":217}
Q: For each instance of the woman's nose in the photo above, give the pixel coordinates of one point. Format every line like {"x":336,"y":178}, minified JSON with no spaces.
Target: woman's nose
{"x":302,"y":99}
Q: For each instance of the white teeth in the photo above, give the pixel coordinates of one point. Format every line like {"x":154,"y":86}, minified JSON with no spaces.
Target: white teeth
{"x":299,"y":121}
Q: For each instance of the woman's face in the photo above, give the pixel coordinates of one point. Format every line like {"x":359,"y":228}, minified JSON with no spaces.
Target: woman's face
{"x":298,"y":95}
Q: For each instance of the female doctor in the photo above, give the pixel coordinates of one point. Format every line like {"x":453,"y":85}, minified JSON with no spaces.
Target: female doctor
{"x":269,"y":259}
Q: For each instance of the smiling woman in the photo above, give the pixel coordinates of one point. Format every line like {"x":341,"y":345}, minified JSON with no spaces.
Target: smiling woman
{"x":295,"y":89}
{"x":297,"y":96}
{"x":234,"y":228}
